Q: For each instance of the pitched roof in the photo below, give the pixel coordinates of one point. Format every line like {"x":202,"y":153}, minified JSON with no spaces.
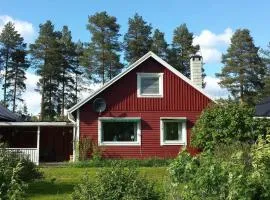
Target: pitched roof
{"x":262,"y":109}
{"x":130,"y":68}
{"x":7,"y":115}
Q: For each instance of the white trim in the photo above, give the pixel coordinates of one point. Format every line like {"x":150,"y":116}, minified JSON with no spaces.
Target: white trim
{"x":136,"y":143}
{"x":38,"y":143}
{"x":36,"y":124}
{"x":183,"y":121}
{"x":130,"y":68}
{"x":78,"y":125}
{"x":142,"y":75}
{"x":261,"y":117}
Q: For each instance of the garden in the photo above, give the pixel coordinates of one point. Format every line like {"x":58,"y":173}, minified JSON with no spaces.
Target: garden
{"x":234,"y":164}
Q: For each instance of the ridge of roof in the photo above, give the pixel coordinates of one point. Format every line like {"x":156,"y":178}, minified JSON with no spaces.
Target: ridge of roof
{"x":130,"y":68}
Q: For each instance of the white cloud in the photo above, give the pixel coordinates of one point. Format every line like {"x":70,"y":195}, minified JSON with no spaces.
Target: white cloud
{"x":213,"y":89}
{"x":26,"y":29}
{"x":31,"y":97}
{"x":212,"y":44}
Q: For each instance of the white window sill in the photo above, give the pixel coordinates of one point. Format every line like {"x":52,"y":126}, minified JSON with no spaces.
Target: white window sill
{"x":150,"y":96}
{"x":173,"y":143}
{"x":119,"y":144}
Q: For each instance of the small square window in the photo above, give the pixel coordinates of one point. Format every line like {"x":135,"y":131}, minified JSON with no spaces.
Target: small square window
{"x":150,"y":84}
{"x":173,"y":131}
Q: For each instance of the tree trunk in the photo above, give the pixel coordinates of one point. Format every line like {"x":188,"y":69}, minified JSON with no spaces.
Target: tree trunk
{"x":15,"y":88}
{"x":5,"y":79}
{"x":63,"y":94}
{"x":76,"y":88}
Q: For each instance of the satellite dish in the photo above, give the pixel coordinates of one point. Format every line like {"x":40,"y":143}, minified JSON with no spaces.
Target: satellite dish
{"x":99,"y":105}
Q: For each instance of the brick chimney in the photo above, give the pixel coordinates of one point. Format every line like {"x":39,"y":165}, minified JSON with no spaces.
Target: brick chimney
{"x":196,"y":63}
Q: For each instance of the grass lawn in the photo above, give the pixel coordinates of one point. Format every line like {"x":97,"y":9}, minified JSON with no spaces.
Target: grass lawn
{"x":59,"y":181}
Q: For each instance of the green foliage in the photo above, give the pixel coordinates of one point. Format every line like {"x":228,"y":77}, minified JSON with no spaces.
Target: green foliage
{"x":159,"y":45}
{"x":137,"y":41}
{"x":102,"y":56}
{"x":237,"y":171}
{"x":266,"y":81}
{"x":243,"y":72}
{"x":88,"y":148}
{"x":116,"y":183}
{"x":28,"y":170}
{"x":226,"y":123}
{"x":46,"y":56}
{"x":14,"y":63}
{"x":182,"y":48}
{"x":150,"y":162}
{"x":14,"y":174}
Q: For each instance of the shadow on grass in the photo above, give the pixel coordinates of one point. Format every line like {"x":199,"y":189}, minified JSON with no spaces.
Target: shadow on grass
{"x":45,"y":187}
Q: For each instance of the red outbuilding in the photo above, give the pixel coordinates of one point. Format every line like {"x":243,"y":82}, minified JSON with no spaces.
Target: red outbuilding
{"x":148,"y":110}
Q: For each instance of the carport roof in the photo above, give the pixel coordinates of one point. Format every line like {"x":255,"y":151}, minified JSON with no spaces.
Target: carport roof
{"x":28,"y":124}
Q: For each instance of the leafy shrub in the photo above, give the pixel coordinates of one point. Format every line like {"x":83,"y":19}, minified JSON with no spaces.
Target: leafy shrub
{"x":87,"y":147}
{"x":114,"y":183}
{"x":238,"y":171}
{"x":226,"y":123}
{"x":29,"y":171}
{"x":150,"y":162}
{"x":15,"y":173}
{"x":11,"y":186}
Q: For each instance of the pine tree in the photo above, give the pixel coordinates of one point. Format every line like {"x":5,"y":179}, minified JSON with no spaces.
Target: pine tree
{"x":159,"y":45}
{"x":67,"y":78}
{"x":137,"y":41}
{"x":16,"y":76}
{"x":266,"y":59}
{"x":102,"y":56}
{"x":182,"y":49}
{"x":79,"y":71}
{"x":10,"y":41}
{"x":47,"y":57}
{"x":243,"y":70}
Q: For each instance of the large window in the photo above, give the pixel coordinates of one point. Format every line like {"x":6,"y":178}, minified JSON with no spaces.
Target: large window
{"x":173,"y":131}
{"x":119,"y":131}
{"x":150,"y":84}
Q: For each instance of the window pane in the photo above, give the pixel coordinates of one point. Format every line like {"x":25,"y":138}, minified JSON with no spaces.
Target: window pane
{"x":119,"y":131}
{"x":171,"y":130}
{"x":150,"y":85}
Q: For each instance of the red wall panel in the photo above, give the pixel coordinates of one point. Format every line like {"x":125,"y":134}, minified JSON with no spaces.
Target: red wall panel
{"x":179,"y":100}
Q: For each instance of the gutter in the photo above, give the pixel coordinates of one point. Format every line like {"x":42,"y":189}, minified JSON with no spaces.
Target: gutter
{"x":71,"y":118}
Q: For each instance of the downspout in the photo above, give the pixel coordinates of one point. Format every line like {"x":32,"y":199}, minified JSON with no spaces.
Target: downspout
{"x":71,"y":118}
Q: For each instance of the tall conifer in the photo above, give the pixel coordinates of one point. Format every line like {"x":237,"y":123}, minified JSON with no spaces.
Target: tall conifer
{"x":243,"y":72}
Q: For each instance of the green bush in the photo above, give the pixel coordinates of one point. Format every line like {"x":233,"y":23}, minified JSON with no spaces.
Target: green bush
{"x":149,"y":162}
{"x":119,"y":183}
{"x":226,"y":123}
{"x":237,"y":171}
{"x":15,"y":173}
{"x":29,"y":171}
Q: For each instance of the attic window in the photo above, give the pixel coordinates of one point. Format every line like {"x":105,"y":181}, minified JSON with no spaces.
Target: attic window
{"x":150,"y":85}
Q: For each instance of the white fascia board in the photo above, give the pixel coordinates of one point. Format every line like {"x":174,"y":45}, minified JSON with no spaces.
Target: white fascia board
{"x":130,"y":68}
{"x":36,"y":124}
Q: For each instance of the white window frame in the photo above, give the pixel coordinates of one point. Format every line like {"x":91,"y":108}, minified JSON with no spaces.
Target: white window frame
{"x":142,"y":75}
{"x":183,"y":140}
{"x":119,"y":119}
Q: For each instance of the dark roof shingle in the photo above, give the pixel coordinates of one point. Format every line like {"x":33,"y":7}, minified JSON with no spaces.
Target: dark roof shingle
{"x":7,"y":115}
{"x":262,"y":109}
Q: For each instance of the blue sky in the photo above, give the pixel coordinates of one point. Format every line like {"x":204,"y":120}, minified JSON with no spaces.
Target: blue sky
{"x":212,"y":22}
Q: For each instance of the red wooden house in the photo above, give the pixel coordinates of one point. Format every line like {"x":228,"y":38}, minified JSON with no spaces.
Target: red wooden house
{"x":150,"y":110}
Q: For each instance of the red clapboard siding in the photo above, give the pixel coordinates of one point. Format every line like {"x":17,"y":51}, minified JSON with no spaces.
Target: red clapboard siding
{"x":179,"y":100}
